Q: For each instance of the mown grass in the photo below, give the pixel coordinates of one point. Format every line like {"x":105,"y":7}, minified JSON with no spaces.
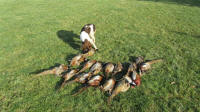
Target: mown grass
{"x":38,"y":34}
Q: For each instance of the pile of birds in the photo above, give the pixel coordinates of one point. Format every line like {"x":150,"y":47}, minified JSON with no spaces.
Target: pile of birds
{"x":103,"y":75}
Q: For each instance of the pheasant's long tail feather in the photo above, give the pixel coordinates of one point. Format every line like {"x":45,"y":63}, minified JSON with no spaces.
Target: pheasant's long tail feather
{"x":83,"y":69}
{"x":80,"y":90}
{"x":66,"y":83}
{"x":155,"y":61}
{"x":47,"y":72}
{"x":110,"y":98}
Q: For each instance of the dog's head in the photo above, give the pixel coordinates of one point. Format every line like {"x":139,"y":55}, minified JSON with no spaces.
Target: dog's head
{"x":89,"y":28}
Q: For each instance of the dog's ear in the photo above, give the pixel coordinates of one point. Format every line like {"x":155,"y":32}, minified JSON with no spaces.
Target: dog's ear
{"x":83,"y":29}
{"x":94,"y":27}
{"x":86,"y":28}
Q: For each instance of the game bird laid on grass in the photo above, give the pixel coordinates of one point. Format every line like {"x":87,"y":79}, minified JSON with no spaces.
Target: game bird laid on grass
{"x":118,"y":68}
{"x":108,"y":69}
{"x":77,"y":60}
{"x":145,"y":66}
{"x":96,"y":68}
{"x":87,"y":65}
{"x":93,"y":82}
{"x":109,"y":85}
{"x":121,"y":86}
{"x":55,"y":71}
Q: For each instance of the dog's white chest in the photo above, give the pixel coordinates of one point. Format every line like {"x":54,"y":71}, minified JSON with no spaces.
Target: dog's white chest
{"x":84,"y":35}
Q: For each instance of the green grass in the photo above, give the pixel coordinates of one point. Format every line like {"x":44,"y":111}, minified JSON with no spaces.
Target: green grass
{"x":36,"y":34}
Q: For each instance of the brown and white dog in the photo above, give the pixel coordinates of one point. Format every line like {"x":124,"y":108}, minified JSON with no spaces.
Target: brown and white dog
{"x":87,"y":37}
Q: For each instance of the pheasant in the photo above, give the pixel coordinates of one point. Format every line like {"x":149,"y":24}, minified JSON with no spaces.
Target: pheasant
{"x":109,"y":69}
{"x":70,"y":74}
{"x":77,"y":60}
{"x":121,"y":86}
{"x":137,"y":81}
{"x":82,"y":78}
{"x":96,"y":68}
{"x":56,"y":70}
{"x":132,"y":67}
{"x":87,"y":65}
{"x":118,"y":68}
{"x":93,"y":82}
{"x":145,"y":66}
{"x":109,"y":85}
{"x":132,"y":77}
{"x":139,"y":60}
{"x":130,"y":80}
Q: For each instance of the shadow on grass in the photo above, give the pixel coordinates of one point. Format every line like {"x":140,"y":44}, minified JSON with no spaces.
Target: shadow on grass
{"x":58,"y":84}
{"x":77,"y":89}
{"x":62,"y":80}
{"x":185,"y":34}
{"x":69,"y":57}
{"x":181,"y":2}
{"x":68,"y":37}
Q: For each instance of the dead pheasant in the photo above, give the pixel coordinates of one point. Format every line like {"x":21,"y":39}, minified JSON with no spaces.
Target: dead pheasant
{"x":70,"y":74}
{"x":77,"y":60}
{"x":132,"y":67}
{"x":130,"y":80}
{"x":109,"y":85}
{"x":56,"y":70}
{"x":132,"y":76}
{"x":137,"y":80}
{"x":121,"y":86}
{"x":82,"y":78}
{"x":133,"y":79}
{"x":96,"y":68}
{"x":87,"y":65}
{"x":147,"y":65}
{"x":118,"y":68}
{"x":109,"y":69}
{"x":93,"y":82}
{"x":139,"y":60}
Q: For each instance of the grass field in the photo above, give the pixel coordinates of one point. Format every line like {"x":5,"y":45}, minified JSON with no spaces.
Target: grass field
{"x":38,"y":34}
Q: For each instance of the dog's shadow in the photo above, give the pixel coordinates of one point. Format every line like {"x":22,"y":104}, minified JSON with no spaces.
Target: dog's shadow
{"x":69,"y":38}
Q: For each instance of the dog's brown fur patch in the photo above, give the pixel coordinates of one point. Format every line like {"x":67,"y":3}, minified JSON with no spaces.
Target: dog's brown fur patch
{"x":86,"y":46}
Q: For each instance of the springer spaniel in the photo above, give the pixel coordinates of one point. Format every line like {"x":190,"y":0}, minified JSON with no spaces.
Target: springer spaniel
{"x":87,"y":37}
